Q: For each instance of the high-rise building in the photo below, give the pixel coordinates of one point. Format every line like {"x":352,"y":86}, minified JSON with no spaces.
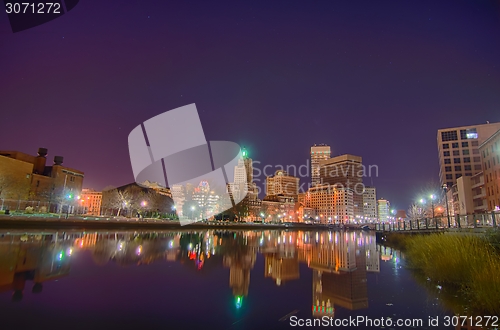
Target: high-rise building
{"x":346,"y":172}
{"x":383,"y":209}
{"x":282,"y":183}
{"x":318,"y":152}
{"x":370,"y":204}
{"x":459,"y":150}
{"x":243,"y":172}
{"x":90,"y":201}
{"x":490,"y":154}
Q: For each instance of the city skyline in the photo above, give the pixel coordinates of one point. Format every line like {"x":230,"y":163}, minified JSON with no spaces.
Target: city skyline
{"x":377,"y":85}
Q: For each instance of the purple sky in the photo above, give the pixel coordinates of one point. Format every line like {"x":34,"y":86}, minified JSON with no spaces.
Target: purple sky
{"x":375,"y":79}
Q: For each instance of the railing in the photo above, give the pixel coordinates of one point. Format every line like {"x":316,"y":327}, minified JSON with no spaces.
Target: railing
{"x":483,"y":220}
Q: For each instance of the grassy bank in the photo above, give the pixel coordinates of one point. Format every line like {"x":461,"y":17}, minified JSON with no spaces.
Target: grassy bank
{"x":467,"y":262}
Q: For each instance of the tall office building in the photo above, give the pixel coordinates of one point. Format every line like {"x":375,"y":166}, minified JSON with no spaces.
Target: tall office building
{"x":346,"y":172}
{"x":383,"y":209}
{"x":243,"y":172}
{"x":370,"y":204}
{"x":282,"y":183}
{"x":459,"y":150}
{"x":331,"y":204}
{"x":318,"y":152}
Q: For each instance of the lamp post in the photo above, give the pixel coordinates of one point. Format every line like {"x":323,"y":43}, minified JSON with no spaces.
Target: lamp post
{"x":445,"y":188}
{"x":192,"y":211}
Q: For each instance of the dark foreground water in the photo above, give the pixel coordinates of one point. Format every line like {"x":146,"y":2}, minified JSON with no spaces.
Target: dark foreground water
{"x":207,"y":280}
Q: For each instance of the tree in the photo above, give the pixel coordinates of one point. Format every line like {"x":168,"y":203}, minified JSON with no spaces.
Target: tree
{"x":417,"y":212}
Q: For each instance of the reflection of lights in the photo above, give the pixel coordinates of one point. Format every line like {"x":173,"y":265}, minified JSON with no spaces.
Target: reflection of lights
{"x":190,"y":246}
{"x":120,"y":246}
{"x":138,"y":251}
{"x":69,"y":252}
{"x":239,"y":301}
{"x":171,"y":244}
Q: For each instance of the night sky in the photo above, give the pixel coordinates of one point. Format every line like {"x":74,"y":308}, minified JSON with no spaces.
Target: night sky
{"x":374,"y":79}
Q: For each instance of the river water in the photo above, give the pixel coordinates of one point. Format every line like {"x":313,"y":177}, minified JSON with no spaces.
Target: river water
{"x":215,"y":279}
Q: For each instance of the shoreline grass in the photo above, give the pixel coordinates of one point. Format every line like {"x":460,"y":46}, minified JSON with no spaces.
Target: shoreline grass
{"x":470,"y":263}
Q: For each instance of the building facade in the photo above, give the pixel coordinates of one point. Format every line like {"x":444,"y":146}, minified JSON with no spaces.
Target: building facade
{"x":90,"y":201}
{"x":490,"y":153}
{"x":319,"y":152}
{"x":347,"y":172}
{"x":282,"y":183}
{"x":27,"y":177}
{"x":370,"y":204}
{"x":383,"y":210}
{"x":458,"y":149}
{"x":332,"y":205}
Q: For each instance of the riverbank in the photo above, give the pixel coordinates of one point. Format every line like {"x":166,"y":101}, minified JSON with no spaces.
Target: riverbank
{"x":467,"y":265}
{"x":35,"y":222}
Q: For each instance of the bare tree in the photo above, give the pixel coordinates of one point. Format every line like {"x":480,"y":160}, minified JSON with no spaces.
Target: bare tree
{"x":417,"y":212}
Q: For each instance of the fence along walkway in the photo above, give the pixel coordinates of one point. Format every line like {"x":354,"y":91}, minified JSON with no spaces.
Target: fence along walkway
{"x":483,"y":220}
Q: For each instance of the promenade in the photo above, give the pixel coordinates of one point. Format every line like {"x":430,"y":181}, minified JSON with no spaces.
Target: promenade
{"x":52,"y":222}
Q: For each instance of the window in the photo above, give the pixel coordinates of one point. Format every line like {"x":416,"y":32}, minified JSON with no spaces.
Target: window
{"x":449,"y":136}
{"x":456,"y":152}
{"x":475,"y":152}
{"x":470,"y":133}
{"x":454,"y":145}
{"x":456,"y":160}
{"x":477,"y":167}
{"x":474,"y":143}
{"x":477,"y":159}
{"x":458,"y":168}
{"x":446,"y":153}
{"x":465,"y":152}
{"x":448,"y":169}
{"x":468,"y":168}
{"x":447,"y":161}
{"x":466,"y":159}
{"x":449,"y":176}
{"x":465,"y":144}
{"x":468,"y":174}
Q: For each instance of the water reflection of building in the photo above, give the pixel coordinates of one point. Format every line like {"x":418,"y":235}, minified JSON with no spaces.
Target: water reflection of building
{"x":240,"y":255}
{"x":339,"y":260}
{"x":281,"y":258}
{"x":339,"y":264}
{"x":37,"y":258}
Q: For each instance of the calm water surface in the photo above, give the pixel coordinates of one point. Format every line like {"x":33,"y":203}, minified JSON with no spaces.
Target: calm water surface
{"x":212,"y":279}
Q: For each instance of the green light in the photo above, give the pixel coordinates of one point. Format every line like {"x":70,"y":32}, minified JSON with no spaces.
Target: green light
{"x":239,"y":301}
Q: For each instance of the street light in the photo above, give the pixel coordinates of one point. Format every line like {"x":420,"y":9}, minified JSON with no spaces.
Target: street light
{"x":445,"y":188}
{"x":192,"y":210}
